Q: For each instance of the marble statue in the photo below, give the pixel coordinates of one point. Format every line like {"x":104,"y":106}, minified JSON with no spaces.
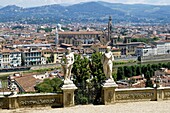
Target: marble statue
{"x":67,"y":64}
{"x":107,"y":60}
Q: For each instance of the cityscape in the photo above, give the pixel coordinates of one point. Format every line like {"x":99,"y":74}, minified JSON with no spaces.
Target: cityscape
{"x":79,"y":53}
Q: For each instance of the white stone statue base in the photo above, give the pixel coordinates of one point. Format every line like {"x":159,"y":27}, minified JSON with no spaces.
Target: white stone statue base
{"x":67,"y":82}
{"x":110,"y":83}
{"x":69,"y":86}
{"x":108,"y":93}
{"x":68,"y":93}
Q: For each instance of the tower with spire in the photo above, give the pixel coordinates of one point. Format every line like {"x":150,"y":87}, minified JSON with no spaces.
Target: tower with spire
{"x":56,"y":38}
{"x":109,"y":28}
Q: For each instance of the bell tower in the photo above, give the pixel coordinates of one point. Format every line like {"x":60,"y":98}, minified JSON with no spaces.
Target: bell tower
{"x":109,"y":28}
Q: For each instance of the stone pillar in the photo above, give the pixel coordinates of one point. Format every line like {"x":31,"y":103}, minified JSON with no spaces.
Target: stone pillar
{"x":9,"y":102}
{"x":68,"y":95}
{"x":108,"y":92}
{"x":158,"y":92}
{"x":13,"y":104}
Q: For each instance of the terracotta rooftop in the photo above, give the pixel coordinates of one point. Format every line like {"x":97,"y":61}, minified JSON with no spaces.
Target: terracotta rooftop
{"x":101,"y":46}
{"x":115,"y":48}
{"x":68,"y":45}
{"x":139,"y":85}
{"x":80,"y":32}
{"x":136,"y":77}
{"x":9,"y":51}
{"x":27,"y":82}
{"x":141,"y":46}
{"x":167,"y":72}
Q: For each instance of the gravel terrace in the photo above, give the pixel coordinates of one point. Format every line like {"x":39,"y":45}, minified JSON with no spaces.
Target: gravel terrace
{"x":133,"y":107}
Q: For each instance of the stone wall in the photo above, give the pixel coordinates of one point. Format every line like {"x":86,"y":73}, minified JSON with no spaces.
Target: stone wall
{"x":164,"y":57}
{"x":142,"y":94}
{"x":134,"y":94}
{"x":31,"y":100}
{"x":163,"y":93}
{"x":4,"y":102}
{"x":36,"y":67}
{"x":56,"y":100}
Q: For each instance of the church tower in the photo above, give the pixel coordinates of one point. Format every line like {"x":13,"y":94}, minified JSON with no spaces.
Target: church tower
{"x":109,"y":28}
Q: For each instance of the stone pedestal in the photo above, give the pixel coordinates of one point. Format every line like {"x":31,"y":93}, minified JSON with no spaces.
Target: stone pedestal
{"x":108,"y":92}
{"x":68,"y":94}
{"x":9,"y":102}
{"x":158,"y":94}
{"x":13,"y":102}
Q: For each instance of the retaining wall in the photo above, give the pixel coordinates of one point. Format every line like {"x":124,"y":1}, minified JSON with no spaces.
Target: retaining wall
{"x":31,"y":100}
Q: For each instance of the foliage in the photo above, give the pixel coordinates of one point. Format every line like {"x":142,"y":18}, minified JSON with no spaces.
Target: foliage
{"x":149,"y":83}
{"x":145,"y":40}
{"x":83,"y":99}
{"x":45,"y":29}
{"x":138,"y":70}
{"x":18,"y":27}
{"x":49,"y":86}
{"x":134,"y":70}
{"x":97,"y":68}
{"x":114,"y":76}
{"x":50,"y":59}
{"x":81,"y":96}
{"x":81,"y":70}
{"x":139,"y":58}
{"x":128,"y":71}
{"x":120,"y":73}
{"x":4,"y":76}
{"x":88,"y":77}
{"x":156,"y":38}
{"x":43,"y":70}
{"x":65,"y":28}
{"x":98,"y":75}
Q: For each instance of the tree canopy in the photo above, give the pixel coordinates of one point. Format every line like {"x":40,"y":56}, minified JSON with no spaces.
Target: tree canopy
{"x":49,"y":86}
{"x":88,"y":77}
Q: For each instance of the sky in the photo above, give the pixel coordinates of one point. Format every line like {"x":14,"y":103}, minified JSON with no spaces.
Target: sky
{"x":33,"y":3}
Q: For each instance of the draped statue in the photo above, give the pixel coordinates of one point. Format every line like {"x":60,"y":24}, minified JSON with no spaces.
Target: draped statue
{"x":107,"y":60}
{"x":67,"y":64}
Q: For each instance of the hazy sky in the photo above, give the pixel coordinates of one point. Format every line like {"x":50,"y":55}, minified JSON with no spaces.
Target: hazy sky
{"x":32,"y":3}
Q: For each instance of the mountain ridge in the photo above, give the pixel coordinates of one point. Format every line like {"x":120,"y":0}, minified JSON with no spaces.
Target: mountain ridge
{"x":87,"y":12}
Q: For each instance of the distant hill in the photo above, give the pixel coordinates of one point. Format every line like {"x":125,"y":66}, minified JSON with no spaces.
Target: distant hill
{"x":92,"y":11}
{"x":87,"y":12}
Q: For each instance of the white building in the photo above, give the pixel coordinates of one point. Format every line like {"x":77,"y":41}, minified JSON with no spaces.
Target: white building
{"x":10,"y":58}
{"x":33,"y":56}
{"x":146,"y":51}
{"x":160,"y":48}
{"x":15,"y":59}
{"x":163,"y":47}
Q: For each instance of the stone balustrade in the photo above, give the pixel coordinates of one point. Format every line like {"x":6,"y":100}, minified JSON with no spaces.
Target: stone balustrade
{"x":142,"y":94}
{"x":112,"y":96}
{"x":31,"y":100}
{"x":134,"y":94}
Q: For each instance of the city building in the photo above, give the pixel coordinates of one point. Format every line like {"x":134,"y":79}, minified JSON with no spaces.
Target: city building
{"x":159,"y":48}
{"x":116,"y":52}
{"x":10,"y":58}
{"x":146,"y":50}
{"x":32,"y":56}
{"x":163,"y":47}
{"x":79,"y":37}
{"x":126,"y":46}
